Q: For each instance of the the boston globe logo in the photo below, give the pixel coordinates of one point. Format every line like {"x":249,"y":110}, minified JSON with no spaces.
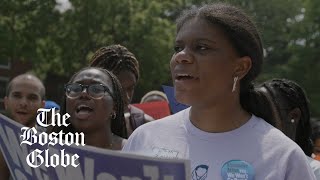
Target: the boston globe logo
{"x":31,"y":136}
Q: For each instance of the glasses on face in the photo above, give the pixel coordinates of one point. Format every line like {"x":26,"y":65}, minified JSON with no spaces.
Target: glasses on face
{"x":95,"y":91}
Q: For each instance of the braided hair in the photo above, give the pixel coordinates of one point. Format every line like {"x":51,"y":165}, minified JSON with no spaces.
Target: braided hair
{"x":295,"y":97}
{"x":118,"y":125}
{"x":115,"y":58}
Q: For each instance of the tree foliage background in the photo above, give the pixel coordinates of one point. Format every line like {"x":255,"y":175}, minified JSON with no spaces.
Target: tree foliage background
{"x":61,"y":42}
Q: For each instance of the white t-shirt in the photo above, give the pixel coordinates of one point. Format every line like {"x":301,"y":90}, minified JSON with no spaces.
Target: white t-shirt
{"x":256,"y":150}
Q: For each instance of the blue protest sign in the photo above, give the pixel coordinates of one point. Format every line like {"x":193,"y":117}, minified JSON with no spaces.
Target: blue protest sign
{"x":96,"y":163}
{"x":174,"y":105}
{"x":46,"y":162}
{"x":15,"y":154}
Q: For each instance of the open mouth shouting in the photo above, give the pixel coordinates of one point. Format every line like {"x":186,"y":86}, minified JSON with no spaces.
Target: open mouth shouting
{"x":83,"y":111}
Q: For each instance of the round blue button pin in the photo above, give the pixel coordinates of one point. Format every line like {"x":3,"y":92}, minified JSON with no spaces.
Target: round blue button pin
{"x":237,"y":170}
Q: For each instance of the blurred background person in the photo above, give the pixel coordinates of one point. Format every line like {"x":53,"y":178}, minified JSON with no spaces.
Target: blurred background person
{"x":123,"y":63}
{"x":315,"y":137}
{"x":289,"y":110}
{"x":154,"y":96}
{"x":25,"y":94}
{"x":155,"y":103}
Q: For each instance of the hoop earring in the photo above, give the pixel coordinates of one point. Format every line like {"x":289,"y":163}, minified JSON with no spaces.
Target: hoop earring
{"x":235,"y":79}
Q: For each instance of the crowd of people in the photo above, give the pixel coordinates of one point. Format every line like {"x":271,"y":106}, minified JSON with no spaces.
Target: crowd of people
{"x":231,"y":123}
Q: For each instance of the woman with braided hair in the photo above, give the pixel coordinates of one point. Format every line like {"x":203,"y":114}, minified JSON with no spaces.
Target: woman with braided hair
{"x":217,"y":54}
{"x":290,"y":113}
{"x":121,"y":62}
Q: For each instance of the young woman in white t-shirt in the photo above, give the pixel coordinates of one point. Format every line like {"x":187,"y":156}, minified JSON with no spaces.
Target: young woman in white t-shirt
{"x":218,"y":53}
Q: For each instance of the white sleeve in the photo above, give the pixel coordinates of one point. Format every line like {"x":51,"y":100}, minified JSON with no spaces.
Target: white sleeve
{"x":298,"y":167}
{"x":131,"y":144}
